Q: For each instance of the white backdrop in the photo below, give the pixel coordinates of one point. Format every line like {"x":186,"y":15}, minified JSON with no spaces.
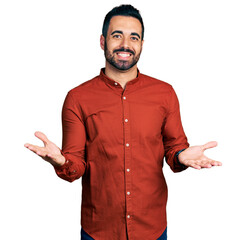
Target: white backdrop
{"x":48,"y":47}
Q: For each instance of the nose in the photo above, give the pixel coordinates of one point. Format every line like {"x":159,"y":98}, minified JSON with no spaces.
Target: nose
{"x":125,"y":43}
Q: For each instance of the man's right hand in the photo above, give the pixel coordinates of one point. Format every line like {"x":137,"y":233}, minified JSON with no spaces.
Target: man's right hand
{"x":50,"y":152}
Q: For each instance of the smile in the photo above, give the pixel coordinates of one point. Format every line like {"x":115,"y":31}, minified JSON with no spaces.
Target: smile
{"x":124,"y":55}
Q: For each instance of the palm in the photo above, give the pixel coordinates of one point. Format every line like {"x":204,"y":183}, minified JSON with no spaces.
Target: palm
{"x":194,"y":156}
{"x":50,"y":148}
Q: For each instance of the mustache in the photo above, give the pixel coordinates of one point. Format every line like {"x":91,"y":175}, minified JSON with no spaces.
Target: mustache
{"x":124,"y":50}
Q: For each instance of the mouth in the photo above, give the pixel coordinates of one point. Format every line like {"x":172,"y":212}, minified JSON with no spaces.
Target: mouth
{"x":124,"y":55}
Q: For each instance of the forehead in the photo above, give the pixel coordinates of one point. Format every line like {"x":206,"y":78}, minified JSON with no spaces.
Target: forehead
{"x":125,"y":24}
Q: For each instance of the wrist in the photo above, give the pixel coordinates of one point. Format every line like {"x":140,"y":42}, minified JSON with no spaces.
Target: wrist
{"x":178,"y":154}
{"x":60,"y":161}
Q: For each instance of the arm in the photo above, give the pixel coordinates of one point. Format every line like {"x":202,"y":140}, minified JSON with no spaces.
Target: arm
{"x":192,"y":156}
{"x":69,"y":163}
{"x":174,"y":138}
{"x":73,"y":141}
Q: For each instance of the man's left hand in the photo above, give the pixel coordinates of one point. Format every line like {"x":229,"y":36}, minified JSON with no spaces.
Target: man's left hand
{"x":194,"y":156}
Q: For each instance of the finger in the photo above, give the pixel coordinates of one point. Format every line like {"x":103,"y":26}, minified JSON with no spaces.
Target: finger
{"x":26,"y":145}
{"x":42,"y":137}
{"x":208,"y":163}
{"x":203,"y":164}
{"x":31,"y":147}
{"x":196,"y":166}
{"x":215,"y":163}
{"x":36,"y":149}
{"x":209,"y":145}
{"x":193,"y":164}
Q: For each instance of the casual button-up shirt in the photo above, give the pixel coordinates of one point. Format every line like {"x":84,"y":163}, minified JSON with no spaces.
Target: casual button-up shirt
{"x":116,"y":139}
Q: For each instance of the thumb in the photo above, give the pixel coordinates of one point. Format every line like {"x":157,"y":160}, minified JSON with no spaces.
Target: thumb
{"x":209,"y":145}
{"x":41,"y":136}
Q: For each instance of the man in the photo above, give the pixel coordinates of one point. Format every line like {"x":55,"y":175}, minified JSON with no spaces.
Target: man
{"x":117,"y":128}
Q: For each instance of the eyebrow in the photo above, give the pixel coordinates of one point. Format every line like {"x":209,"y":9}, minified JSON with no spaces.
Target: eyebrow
{"x":118,"y":31}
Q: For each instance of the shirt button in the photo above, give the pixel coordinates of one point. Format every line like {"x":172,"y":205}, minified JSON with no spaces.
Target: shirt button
{"x":128,"y":193}
{"x":128,"y":216}
{"x":128,"y":170}
{"x":115,"y":83}
{"x":127,"y":144}
{"x":126,"y":120}
{"x":124,"y":97}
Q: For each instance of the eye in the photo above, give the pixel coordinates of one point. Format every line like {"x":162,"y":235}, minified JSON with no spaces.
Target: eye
{"x":135,"y":38}
{"x":117,"y":36}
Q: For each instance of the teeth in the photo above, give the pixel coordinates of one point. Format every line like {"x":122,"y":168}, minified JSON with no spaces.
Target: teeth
{"x":124,"y":54}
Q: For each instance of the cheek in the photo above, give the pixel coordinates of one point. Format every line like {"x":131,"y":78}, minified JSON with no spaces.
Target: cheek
{"x":138,"y":48}
{"x":111,"y":45}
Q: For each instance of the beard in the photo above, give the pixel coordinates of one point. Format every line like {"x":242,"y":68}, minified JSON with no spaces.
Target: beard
{"x":121,"y":64}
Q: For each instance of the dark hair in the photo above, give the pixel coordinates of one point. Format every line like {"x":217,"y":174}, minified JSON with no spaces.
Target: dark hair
{"x":122,"y":10}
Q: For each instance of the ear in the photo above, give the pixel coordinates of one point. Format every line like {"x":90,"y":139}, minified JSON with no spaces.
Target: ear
{"x":102,"y":42}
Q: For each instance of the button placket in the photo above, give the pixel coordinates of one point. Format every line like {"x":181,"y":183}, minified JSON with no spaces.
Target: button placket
{"x":127,"y":162}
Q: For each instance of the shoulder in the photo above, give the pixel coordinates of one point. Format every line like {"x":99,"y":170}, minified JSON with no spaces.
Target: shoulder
{"x":83,"y":88}
{"x":157,"y":82}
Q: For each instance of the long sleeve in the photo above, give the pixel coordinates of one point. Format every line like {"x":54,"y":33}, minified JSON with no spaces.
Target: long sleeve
{"x":174,"y":138}
{"x":73,"y":141}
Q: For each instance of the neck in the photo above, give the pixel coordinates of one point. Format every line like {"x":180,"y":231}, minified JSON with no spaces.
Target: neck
{"x":121,"y":76}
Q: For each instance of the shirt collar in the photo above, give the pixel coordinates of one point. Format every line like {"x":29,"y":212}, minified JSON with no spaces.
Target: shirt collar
{"x":114,"y":83}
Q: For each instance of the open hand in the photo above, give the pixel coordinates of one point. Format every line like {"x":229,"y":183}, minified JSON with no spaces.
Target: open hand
{"x":194,"y":156}
{"x":50,"y":152}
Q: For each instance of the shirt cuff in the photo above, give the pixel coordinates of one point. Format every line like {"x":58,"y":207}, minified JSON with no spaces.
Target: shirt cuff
{"x":177,"y":154}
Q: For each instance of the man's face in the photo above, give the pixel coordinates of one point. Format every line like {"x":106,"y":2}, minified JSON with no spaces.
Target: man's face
{"x":123,"y":45}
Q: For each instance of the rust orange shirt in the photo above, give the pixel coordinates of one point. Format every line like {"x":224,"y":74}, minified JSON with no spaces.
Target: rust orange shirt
{"x":116,"y":139}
